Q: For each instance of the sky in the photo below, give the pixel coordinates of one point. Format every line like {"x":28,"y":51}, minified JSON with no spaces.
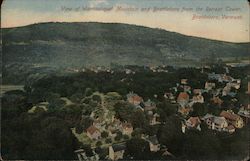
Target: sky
{"x":225,"y":20}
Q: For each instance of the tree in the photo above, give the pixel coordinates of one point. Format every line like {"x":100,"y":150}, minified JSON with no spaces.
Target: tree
{"x":123,"y":111}
{"x":97,"y":98}
{"x":88,"y":92}
{"x":137,"y":133}
{"x":118,"y":136}
{"x":138,"y":119}
{"x":108,"y":140}
{"x":76,"y":97}
{"x":170,"y":134}
{"x":199,"y":145}
{"x":199,"y":109}
{"x":166,"y":109}
{"x":104,"y":134}
{"x":138,"y":148}
{"x":125,"y":137}
{"x":86,"y":122}
{"x":98,"y":143}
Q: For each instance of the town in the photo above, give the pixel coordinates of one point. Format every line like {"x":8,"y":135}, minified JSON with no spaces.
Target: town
{"x":114,"y":119}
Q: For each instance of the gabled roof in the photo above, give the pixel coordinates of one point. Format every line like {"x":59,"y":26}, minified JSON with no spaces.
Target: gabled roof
{"x":137,"y":98}
{"x":207,"y":116}
{"x":92,"y":129}
{"x":198,"y":97}
{"x":153,"y":140}
{"x":219,"y":120}
{"x":183,"y":95}
{"x":118,"y":147}
{"x":229,"y":115}
{"x":194,"y":121}
{"x":215,"y":119}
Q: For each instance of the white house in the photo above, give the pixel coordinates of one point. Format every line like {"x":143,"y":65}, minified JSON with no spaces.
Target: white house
{"x":116,"y":151}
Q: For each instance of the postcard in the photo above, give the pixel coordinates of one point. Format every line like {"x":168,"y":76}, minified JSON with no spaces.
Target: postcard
{"x":125,"y":80}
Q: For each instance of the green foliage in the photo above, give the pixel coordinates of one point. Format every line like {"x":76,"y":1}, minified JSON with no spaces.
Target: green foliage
{"x":104,"y":134}
{"x":138,"y":119}
{"x":57,"y":40}
{"x":125,"y":137}
{"x":97,"y":98}
{"x":137,"y":133}
{"x":47,"y":135}
{"x":166,"y":109}
{"x":170,"y":134}
{"x":88,"y":92}
{"x":50,"y":138}
{"x":118,"y":136}
{"x":13,"y":104}
{"x":199,"y":109}
{"x":123,"y":111}
{"x":201,"y":145}
{"x":108,"y":140}
{"x":77,"y":97}
{"x":98,"y":143}
{"x":138,"y":148}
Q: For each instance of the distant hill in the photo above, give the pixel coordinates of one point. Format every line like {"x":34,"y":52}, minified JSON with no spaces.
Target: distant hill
{"x":89,"y":44}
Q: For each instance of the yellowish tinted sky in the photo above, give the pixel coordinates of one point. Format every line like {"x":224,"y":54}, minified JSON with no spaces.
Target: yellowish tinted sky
{"x":25,"y":12}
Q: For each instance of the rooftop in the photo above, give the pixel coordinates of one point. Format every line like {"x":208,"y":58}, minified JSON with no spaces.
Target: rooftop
{"x":118,"y":147}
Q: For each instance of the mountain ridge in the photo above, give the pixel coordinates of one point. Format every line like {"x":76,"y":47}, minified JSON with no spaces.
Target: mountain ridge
{"x":55,"y":22}
{"x":93,"y":43}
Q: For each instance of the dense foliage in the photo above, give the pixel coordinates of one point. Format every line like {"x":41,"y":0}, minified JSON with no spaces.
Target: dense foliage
{"x":47,"y":134}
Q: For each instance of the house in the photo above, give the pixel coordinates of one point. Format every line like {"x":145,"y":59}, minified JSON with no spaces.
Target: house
{"x":234,"y":85}
{"x":184,"y":110}
{"x":116,"y":151}
{"x":215,"y":122}
{"x":81,"y":154}
{"x":93,"y":133}
{"x":193,"y":122}
{"x":198,"y":99}
{"x":213,"y":76}
{"x":127,"y":128}
{"x":153,"y":118}
{"x":153,"y":143}
{"x":197,"y":91}
{"x":183,"y":99}
{"x":244,"y":112}
{"x":187,"y":88}
{"x":170,"y":97}
{"x":113,"y":132}
{"x":230,"y":129}
{"x":209,"y":85}
{"x":97,"y":123}
{"x":217,"y":100}
{"x":134,"y":99}
{"x":226,"y":90}
{"x":232,"y":118}
{"x":149,"y":105}
{"x":226,"y":78}
{"x":184,"y":81}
